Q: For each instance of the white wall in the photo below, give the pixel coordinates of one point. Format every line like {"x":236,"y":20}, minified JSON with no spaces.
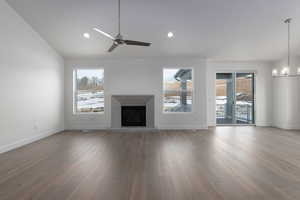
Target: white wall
{"x":286,"y":97}
{"x":263,"y":88}
{"x":144,"y":76}
{"x":138,"y":77}
{"x":31,"y":83}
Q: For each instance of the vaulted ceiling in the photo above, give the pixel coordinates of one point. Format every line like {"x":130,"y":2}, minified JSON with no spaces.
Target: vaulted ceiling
{"x":215,"y":29}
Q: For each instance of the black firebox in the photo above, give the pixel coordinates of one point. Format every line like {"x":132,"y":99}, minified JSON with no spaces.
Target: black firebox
{"x":133,"y":116}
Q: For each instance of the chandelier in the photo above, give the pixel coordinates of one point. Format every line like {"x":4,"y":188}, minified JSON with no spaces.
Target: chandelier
{"x":286,"y":70}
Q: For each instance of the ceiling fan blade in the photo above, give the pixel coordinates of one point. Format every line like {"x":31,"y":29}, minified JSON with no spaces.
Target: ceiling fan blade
{"x":103,"y":33}
{"x":113,"y":47}
{"x":137,"y":43}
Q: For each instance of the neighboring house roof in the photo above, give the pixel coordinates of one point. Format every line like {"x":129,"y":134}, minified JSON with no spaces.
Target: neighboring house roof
{"x":183,"y":74}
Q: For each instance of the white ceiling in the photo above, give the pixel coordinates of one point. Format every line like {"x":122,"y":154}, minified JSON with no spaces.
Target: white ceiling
{"x":215,"y":29}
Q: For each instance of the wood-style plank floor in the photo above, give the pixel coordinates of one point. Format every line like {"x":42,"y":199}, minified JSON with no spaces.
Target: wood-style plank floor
{"x":225,"y":163}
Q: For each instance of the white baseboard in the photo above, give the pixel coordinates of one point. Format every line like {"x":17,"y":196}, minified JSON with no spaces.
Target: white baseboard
{"x":160,"y":127}
{"x":26,"y":141}
{"x":183,"y":127}
{"x":84,"y":126}
{"x":133,"y":129}
{"x":141,"y":129}
{"x":212,"y":124}
{"x":263,"y":124}
{"x":288,"y":126}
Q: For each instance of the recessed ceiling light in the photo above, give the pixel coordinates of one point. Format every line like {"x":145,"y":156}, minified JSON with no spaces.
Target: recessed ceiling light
{"x":87,"y":35}
{"x":170,"y":35}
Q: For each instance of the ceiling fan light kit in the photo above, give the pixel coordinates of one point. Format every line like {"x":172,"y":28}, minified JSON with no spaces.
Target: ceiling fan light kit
{"x":119,"y":40}
{"x":286,"y":72}
{"x":87,"y":35}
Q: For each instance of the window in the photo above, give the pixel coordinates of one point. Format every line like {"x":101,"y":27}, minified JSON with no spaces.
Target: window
{"x":89,"y":91}
{"x":178,"y":90}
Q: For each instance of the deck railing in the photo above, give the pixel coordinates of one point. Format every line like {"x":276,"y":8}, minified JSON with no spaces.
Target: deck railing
{"x":243,"y":112}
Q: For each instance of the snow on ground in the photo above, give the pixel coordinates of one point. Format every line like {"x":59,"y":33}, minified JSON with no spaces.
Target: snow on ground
{"x":172,"y":104}
{"x":89,"y":100}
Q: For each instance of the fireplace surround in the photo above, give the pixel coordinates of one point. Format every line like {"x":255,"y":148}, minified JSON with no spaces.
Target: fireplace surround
{"x":131,"y":111}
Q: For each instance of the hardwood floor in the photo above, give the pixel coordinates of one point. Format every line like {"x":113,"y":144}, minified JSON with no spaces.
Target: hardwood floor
{"x":223,"y":163}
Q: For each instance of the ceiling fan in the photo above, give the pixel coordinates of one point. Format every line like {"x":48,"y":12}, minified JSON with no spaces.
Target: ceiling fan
{"x":118,"y":40}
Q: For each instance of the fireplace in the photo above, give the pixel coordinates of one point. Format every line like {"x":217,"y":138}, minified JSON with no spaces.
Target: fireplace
{"x":133,"y":116}
{"x":132,"y":111}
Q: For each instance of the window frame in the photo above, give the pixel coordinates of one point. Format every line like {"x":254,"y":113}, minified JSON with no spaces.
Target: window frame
{"x":75,"y":91}
{"x":163,"y":91}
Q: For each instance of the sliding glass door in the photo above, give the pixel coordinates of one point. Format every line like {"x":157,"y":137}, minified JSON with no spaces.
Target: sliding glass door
{"x":225,"y":98}
{"x":244,"y":98}
{"x":235,"y":98}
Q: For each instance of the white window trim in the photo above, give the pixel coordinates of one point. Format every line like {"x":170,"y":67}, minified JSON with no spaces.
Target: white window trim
{"x":163,"y":92}
{"x":75,"y":91}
